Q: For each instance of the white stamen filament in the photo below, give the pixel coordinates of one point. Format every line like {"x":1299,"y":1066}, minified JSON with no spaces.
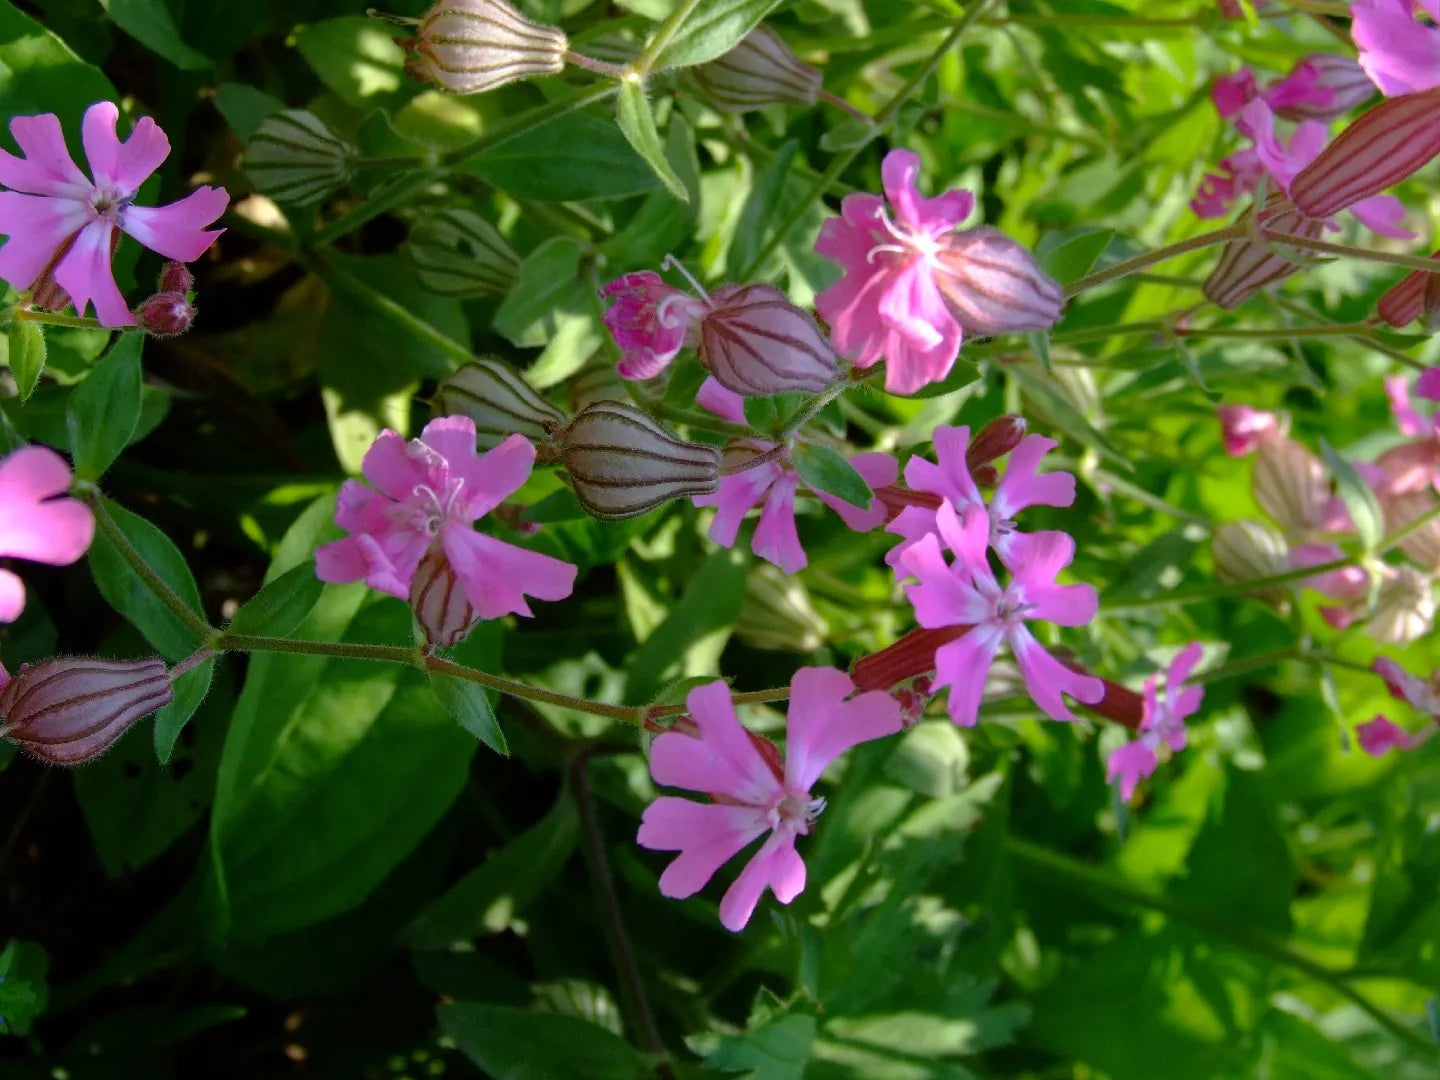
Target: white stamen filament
{"x":672,"y":263}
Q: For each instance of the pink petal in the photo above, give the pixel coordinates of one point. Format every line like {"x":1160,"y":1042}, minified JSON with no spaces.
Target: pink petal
{"x":1379,"y":736}
{"x":362,"y":509}
{"x":1383,"y":214}
{"x":720,"y":400}
{"x":1023,"y":486}
{"x":1427,"y":385}
{"x":969,"y":537}
{"x":46,"y":168}
{"x":963,"y":665}
{"x":1181,"y":666}
{"x":822,"y":725}
{"x":85,"y":274}
{"x":734,"y":498}
{"x":38,"y":226}
{"x":898,"y":173}
{"x":1046,"y":678}
{"x":177,"y":231}
{"x":1046,"y":554}
{"x":776,"y":865}
{"x":12,"y":600}
{"x":941,"y":597}
{"x":498,"y":576}
{"x":707,"y":835}
{"x":1130,"y":763}
{"x":33,"y":523}
{"x":722,"y":760}
{"x":124,"y":165}
{"x":951,"y":477}
{"x":776,"y":539}
{"x":393,"y":467}
{"x":912,"y":524}
{"x":495,"y":475}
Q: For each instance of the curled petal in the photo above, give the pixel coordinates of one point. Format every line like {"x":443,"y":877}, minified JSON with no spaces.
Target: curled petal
{"x":1046,"y":679}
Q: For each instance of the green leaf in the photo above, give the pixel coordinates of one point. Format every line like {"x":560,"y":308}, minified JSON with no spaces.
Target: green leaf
{"x":24,"y":992}
{"x":513,"y":1044}
{"x":696,"y":626}
{"x":575,"y":156}
{"x":27,"y":355}
{"x":123,"y":588}
{"x":280,"y":606}
{"x":1068,"y":257}
{"x":778,"y":1050}
{"x":190,"y":691}
{"x":1040,"y":346}
{"x":1359,"y":498}
{"x":1057,"y":408}
{"x":558,"y":506}
{"x":826,"y":469}
{"x":714,"y":29}
{"x":546,"y":286}
{"x":105,"y":409}
{"x":961,"y":375}
{"x":471,"y":706}
{"x":637,"y":122}
{"x":244,"y":107}
{"x":354,"y":56}
{"x":771,"y":413}
{"x":40,"y":74}
{"x":150,"y":23}
{"x":761,"y":208}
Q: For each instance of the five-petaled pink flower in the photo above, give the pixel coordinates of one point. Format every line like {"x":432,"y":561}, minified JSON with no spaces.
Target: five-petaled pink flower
{"x":62,"y":225}
{"x":1162,"y":723}
{"x":752,"y":794}
{"x":37,"y":521}
{"x":430,"y":491}
{"x":913,"y":286}
{"x":774,"y":483}
{"x":1021,"y":486}
{"x":968,"y":594}
{"x":650,"y":321}
{"x":1398,"y":52}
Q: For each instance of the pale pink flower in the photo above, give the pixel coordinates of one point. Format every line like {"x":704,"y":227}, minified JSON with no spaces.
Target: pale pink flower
{"x":1381,"y":735}
{"x":650,"y":321}
{"x":1399,"y":52}
{"x":1349,"y":587}
{"x":1244,"y":429}
{"x":949,"y":477}
{"x":62,"y":225}
{"x":429,"y":492}
{"x":1162,"y":724}
{"x":773,"y":484}
{"x":967,"y":593}
{"x":913,"y":286}
{"x":1415,"y":465}
{"x":1422,"y":695}
{"x":37,"y":521}
{"x":752,"y":794}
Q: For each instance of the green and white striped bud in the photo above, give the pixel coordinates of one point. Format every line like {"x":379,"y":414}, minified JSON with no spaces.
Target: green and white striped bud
{"x":499,"y":401}
{"x":470,"y":46}
{"x":458,"y":253}
{"x":759,"y":71}
{"x":295,"y":159}
{"x":1405,"y":608}
{"x":777,"y":613}
{"x":1248,"y":550}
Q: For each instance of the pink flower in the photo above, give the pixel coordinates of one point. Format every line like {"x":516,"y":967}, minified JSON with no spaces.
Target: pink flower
{"x":429,"y":492}
{"x":1349,"y":586}
{"x":650,"y":321}
{"x":1422,"y":695}
{"x":1162,"y":724}
{"x":752,"y":795}
{"x":1322,"y":86}
{"x":911,"y":283}
{"x":774,"y":483}
{"x":1244,"y":429}
{"x":1379,"y":736}
{"x":968,"y":594}
{"x":36,"y":522}
{"x":1021,"y":486}
{"x":1399,"y":53}
{"x":62,"y":225}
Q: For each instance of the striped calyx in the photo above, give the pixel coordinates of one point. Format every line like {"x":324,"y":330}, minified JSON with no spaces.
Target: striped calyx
{"x":1389,"y":143}
{"x":456,"y":252}
{"x":70,"y":709}
{"x":1250,"y":263}
{"x":756,"y":343}
{"x":499,"y":401}
{"x":295,"y":159}
{"x":438,"y":599}
{"x":622,"y":463}
{"x":1249,"y":550}
{"x":470,"y":46}
{"x":993,"y":285}
{"x":1417,"y":295}
{"x":1404,"y":608}
{"x":759,"y":71}
{"x":1291,"y":485}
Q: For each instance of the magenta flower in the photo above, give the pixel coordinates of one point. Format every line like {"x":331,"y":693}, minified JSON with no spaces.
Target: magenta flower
{"x":1244,"y":429}
{"x":650,"y":321}
{"x":62,"y":225}
{"x":751,"y":793}
{"x":1380,"y":735}
{"x":1422,"y":695}
{"x":1400,"y":54}
{"x":966,"y":593}
{"x":912,"y":283}
{"x":1321,"y":86}
{"x":37,"y":521}
{"x":1162,"y":724}
{"x":428,"y":492}
{"x":1021,"y":486}
{"x":774,"y":483}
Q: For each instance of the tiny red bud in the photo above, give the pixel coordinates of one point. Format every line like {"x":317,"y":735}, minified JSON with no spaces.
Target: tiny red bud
{"x":71,"y":709}
{"x":166,"y":314}
{"x":175,"y":277}
{"x":995,"y":440}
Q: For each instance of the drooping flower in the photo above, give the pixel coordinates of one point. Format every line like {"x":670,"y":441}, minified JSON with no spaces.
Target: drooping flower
{"x":1162,"y":723}
{"x":1244,"y":429}
{"x":1321,"y":86}
{"x":912,"y":283}
{"x":773,"y":483}
{"x":1398,"y":51}
{"x":1380,"y":735}
{"x":1019,"y":487}
{"x":752,"y":793}
{"x":37,"y":521}
{"x":62,"y":226}
{"x":428,"y":492}
{"x":650,"y":321}
{"x":967,"y":593}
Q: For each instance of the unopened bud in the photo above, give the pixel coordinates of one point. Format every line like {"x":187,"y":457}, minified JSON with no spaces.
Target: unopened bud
{"x":759,"y":71}
{"x":623,"y":464}
{"x":1291,"y":485}
{"x":777,"y":613}
{"x":1250,"y":263}
{"x":1405,"y":608}
{"x":175,"y":277}
{"x":470,"y":46}
{"x":1422,"y":545}
{"x":912,"y":655}
{"x":995,"y":440}
{"x":756,"y":342}
{"x":295,"y":159}
{"x":499,"y":401}
{"x":1415,"y":296}
{"x":1320,"y":87}
{"x":438,"y":598}
{"x":458,"y":253}
{"x":994,"y":285}
{"x":1249,"y":550}
{"x":1244,"y":430}
{"x":71,"y":709}
{"x":1389,"y":143}
{"x":166,"y":314}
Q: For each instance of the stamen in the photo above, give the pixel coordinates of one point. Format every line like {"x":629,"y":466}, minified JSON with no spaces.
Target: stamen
{"x":672,"y":263}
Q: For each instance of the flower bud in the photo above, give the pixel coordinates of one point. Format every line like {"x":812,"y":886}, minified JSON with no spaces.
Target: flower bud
{"x":456,"y":252}
{"x":1417,"y":294}
{"x":1320,"y":87}
{"x":438,"y":598}
{"x":1423,"y":545}
{"x":995,"y":440}
{"x":1250,"y":263}
{"x":175,"y":277}
{"x":1405,"y":609}
{"x":1244,"y":430}
{"x":995,"y":286}
{"x":71,"y":709}
{"x":1389,"y":143}
{"x":761,"y":70}
{"x":1247,"y":550}
{"x":756,"y":342}
{"x":499,"y":401}
{"x":1291,"y":485}
{"x":166,"y":314}
{"x":777,"y":613}
{"x":470,"y":46}
{"x":623,"y":464}
{"x":294,"y":158}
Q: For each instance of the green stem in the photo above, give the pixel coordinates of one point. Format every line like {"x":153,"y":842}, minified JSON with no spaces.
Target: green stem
{"x":1335,"y":330}
{"x":1150,"y":258}
{"x":882,"y":120}
{"x":192,"y":620}
{"x":346,"y":650}
{"x":663,"y":35}
{"x":1321,"y":247}
{"x":749,"y":697}
{"x":625,"y":713}
{"x":50,"y":318}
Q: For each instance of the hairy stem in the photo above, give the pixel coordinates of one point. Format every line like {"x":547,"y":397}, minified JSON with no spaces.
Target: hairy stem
{"x":50,"y":318}
{"x":625,"y":713}
{"x":1322,"y":247}
{"x":1150,"y":258}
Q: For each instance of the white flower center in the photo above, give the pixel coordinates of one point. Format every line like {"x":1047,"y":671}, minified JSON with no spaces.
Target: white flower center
{"x":798,"y":812}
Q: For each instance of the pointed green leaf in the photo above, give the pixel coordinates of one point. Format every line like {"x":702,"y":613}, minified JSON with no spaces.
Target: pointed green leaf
{"x":827,"y":470}
{"x":27,"y":355}
{"x":280,"y":606}
{"x":471,"y":706}
{"x":714,"y":29}
{"x":637,"y":121}
{"x":105,"y":408}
